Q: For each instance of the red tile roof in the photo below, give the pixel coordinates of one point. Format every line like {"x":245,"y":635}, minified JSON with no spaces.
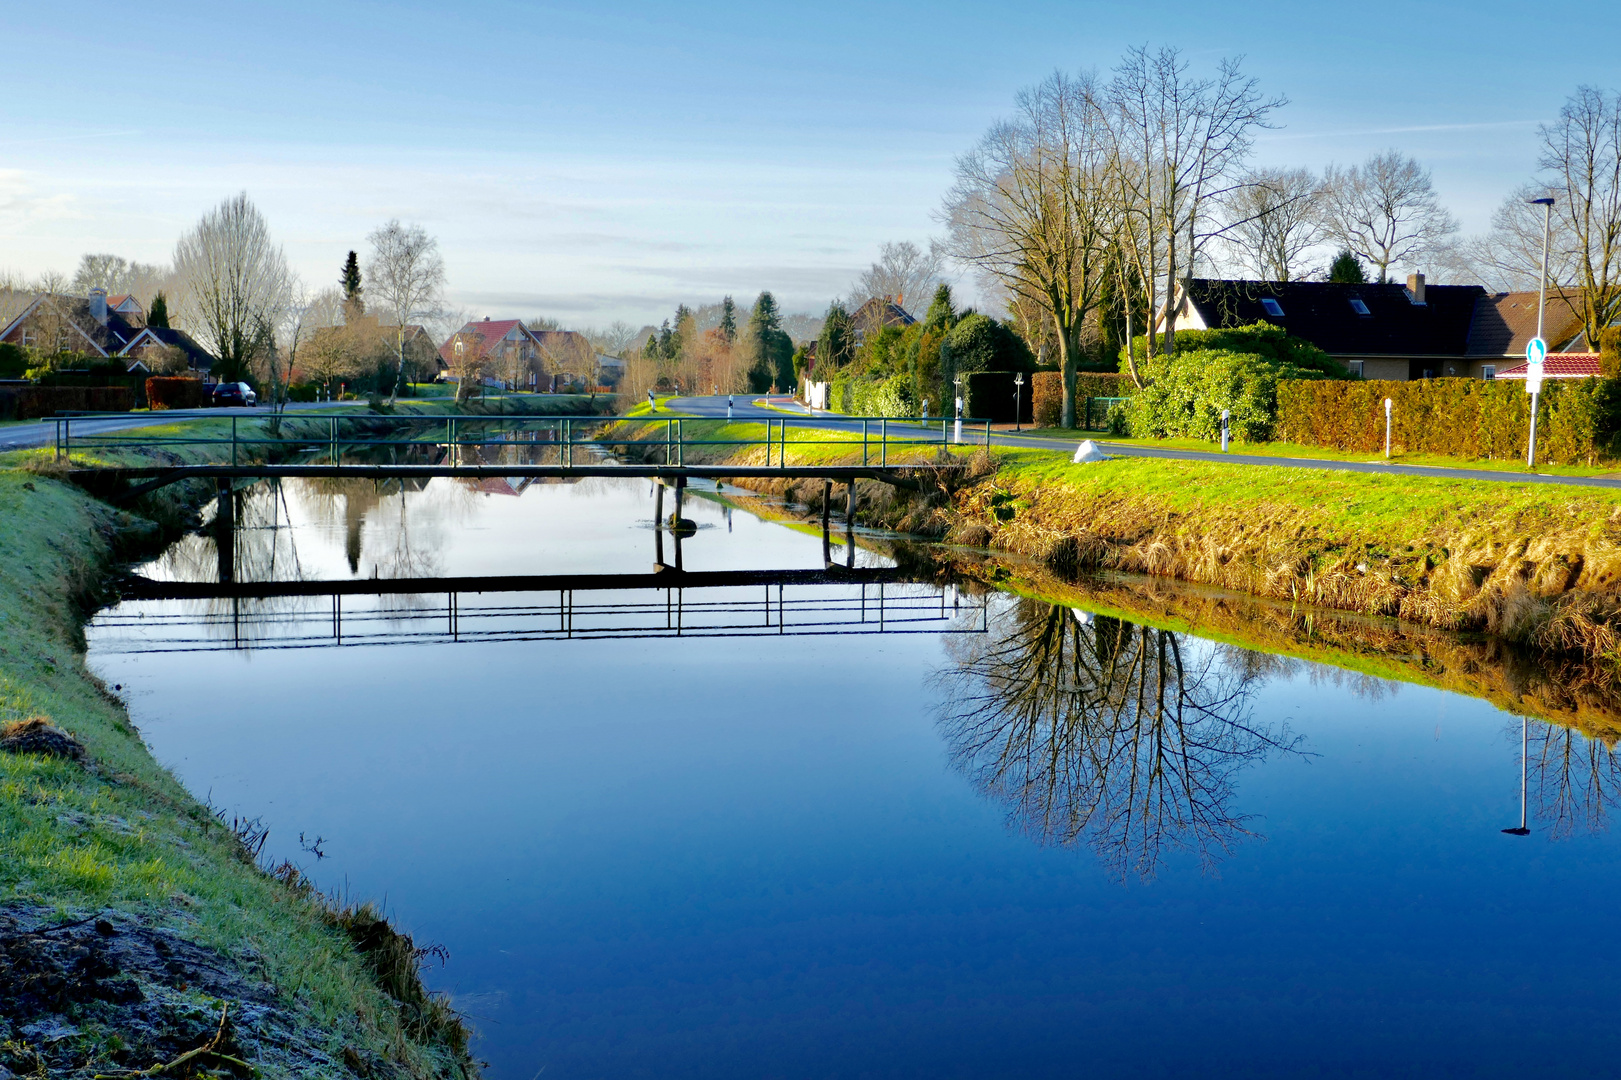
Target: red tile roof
{"x":1560,"y":366}
{"x":488,"y":331}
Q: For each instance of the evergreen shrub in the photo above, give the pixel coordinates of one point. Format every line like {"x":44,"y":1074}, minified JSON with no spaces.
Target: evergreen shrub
{"x":175,"y":392}
{"x":1188,"y":390}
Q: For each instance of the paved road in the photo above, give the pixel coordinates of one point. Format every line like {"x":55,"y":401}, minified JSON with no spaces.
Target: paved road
{"x":716,"y":406}
{"x":43,"y":432}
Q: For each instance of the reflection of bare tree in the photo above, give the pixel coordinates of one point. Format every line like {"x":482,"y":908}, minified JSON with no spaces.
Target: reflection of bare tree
{"x":1576,"y":780}
{"x":1097,"y":730}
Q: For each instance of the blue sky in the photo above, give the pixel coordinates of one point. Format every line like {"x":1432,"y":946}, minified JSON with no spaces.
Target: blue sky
{"x":602,"y":161}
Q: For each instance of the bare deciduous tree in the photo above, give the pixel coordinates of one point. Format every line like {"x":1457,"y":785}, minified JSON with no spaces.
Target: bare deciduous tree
{"x":1179,"y":145}
{"x":1029,"y":209}
{"x":1581,"y":153}
{"x":407,"y":276}
{"x":903,"y":270}
{"x":1386,"y":211}
{"x":118,"y":275}
{"x":235,"y":281}
{"x":1274,"y":218}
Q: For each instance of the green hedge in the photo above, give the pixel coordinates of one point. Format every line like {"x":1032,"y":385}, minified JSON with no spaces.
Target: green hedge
{"x":1472,"y":418}
{"x":1047,"y":392}
{"x":1188,"y":390}
{"x":35,"y":402}
{"x":989,"y":395}
{"x":894,"y":396}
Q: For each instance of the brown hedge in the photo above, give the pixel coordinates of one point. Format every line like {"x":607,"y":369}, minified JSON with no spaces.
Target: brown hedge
{"x":1047,"y":392}
{"x":1470,"y":418}
{"x":35,"y":402}
{"x":175,"y":392}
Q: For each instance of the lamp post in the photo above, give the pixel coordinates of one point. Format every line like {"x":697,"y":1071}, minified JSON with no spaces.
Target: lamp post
{"x":1018,"y":385}
{"x":1522,"y":830}
{"x":1539,"y":347}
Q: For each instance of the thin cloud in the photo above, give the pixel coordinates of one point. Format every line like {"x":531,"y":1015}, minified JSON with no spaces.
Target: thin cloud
{"x":1416,"y":128}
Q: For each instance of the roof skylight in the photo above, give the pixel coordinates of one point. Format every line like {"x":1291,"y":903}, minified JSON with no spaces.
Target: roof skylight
{"x":1272,"y":307}
{"x":1359,"y":307}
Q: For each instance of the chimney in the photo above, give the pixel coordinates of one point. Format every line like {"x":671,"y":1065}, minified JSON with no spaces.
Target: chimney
{"x":98,"y":305}
{"x":1415,"y":285}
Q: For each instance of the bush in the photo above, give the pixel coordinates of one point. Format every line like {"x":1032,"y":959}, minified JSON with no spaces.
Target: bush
{"x":853,"y":395}
{"x":1470,"y":418}
{"x":303,"y":392}
{"x":34,"y":402}
{"x":1271,"y":343}
{"x":13,"y":361}
{"x":1609,"y":352}
{"x":175,"y":392}
{"x":980,"y":343}
{"x":1189,"y":389}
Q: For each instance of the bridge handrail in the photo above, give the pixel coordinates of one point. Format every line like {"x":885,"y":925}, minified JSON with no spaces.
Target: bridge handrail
{"x":898,"y":432}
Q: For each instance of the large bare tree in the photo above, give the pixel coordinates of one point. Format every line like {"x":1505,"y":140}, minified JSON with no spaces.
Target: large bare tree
{"x":407,"y":276}
{"x":1179,"y":145}
{"x":903,"y":272}
{"x":1029,"y":209}
{"x":235,"y":282}
{"x":1386,"y":211}
{"x":1274,"y":218}
{"x":1581,"y":155}
{"x":117,"y":274}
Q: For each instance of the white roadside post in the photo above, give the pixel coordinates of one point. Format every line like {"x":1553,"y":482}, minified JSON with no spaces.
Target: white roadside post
{"x":1535,"y":353}
{"x":957,"y":430}
{"x":1387,"y":429}
{"x":1224,"y":415}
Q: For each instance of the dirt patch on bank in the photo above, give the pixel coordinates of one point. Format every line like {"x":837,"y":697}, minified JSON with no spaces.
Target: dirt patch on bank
{"x":111,"y":994}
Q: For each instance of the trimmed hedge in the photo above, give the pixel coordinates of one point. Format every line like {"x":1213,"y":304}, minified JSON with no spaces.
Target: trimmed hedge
{"x":175,"y":392}
{"x":894,"y":396}
{"x":989,"y":395}
{"x":1471,"y":418}
{"x":1047,"y":392}
{"x":35,"y":402}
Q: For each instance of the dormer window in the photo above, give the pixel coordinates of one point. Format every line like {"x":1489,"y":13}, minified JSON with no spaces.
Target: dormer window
{"x":1359,"y":307}
{"x":1273,"y":308}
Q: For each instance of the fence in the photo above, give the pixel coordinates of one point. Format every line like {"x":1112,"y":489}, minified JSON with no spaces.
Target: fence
{"x":333,"y":437}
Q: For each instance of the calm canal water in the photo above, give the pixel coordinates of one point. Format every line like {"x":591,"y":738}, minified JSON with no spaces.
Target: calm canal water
{"x":978,"y":837}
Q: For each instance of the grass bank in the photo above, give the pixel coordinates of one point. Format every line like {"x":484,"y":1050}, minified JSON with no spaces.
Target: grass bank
{"x":1536,"y":564}
{"x":136,"y":926}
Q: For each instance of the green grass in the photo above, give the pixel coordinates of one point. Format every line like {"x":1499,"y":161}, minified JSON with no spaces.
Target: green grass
{"x":126,"y":834}
{"x":1321,"y":453}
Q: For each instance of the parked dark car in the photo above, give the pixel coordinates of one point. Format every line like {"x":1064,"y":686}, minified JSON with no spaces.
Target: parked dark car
{"x":235,"y":393}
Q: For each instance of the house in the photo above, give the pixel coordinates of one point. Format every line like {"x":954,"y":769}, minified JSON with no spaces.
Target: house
{"x":100,"y":326}
{"x":1505,"y":323}
{"x":566,"y":352}
{"x":1393,"y":331}
{"x":506,"y":351}
{"x":610,"y":370}
{"x":876,"y":314}
{"x":1390,"y":331}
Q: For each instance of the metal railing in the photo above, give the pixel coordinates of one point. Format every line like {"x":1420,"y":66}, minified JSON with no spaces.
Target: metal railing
{"x":363,"y":437}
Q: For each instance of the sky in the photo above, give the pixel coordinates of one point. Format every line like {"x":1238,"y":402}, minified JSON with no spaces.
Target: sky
{"x":594,"y":162}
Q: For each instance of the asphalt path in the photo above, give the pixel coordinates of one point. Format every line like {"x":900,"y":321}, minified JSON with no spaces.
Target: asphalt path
{"x":43,"y":432}
{"x":747,"y":410}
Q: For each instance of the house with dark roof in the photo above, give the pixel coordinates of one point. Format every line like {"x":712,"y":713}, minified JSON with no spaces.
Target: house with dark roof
{"x":876,"y":314}
{"x":1394,"y":331}
{"x":1389,"y":331}
{"x":100,"y":326}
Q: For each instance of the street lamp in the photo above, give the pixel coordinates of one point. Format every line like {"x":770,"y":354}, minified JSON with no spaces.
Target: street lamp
{"x":1018,"y":385}
{"x":957,"y":432}
{"x":1522,"y":830}
{"x":1539,"y":349}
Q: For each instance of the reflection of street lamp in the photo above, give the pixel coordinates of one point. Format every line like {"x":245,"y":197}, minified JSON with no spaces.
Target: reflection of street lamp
{"x":1018,"y":385}
{"x":1524,"y":745}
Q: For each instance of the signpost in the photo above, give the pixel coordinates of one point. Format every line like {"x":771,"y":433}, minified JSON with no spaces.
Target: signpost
{"x":1535,"y":353}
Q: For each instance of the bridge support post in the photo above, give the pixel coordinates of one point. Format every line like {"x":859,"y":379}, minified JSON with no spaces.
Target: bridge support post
{"x":225,"y":532}
{"x":827,"y":499}
{"x":677,"y":522}
{"x":850,"y":523}
{"x":658,"y":523}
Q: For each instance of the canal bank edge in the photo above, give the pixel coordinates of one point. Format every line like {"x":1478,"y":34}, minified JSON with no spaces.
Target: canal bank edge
{"x":135,"y":925}
{"x":1535,"y":564}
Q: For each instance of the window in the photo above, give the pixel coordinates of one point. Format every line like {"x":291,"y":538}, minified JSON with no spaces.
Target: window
{"x":1488,"y":372}
{"x":1273,"y":308}
{"x":1359,"y":307}
{"x":28,"y":338}
{"x":1356,"y":368}
{"x":460,"y":348}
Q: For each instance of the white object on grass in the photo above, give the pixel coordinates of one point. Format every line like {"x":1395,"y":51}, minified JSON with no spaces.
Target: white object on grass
{"x":1087,"y":452}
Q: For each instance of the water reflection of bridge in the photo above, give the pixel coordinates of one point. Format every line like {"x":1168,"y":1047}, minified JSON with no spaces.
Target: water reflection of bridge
{"x":736,"y":603}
